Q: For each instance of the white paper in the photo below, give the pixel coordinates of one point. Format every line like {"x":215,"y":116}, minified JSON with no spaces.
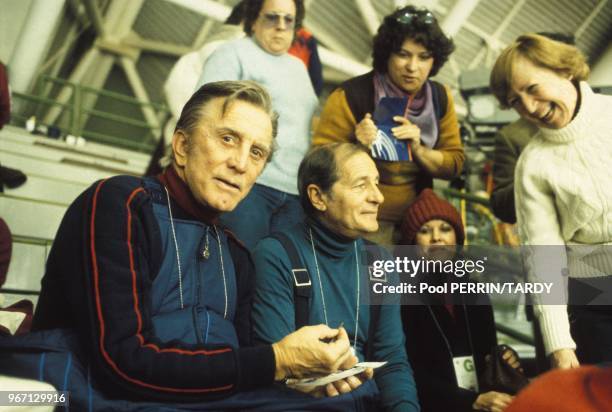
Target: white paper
{"x":324,"y":380}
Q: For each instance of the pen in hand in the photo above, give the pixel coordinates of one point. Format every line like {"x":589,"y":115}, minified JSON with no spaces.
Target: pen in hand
{"x":329,"y":340}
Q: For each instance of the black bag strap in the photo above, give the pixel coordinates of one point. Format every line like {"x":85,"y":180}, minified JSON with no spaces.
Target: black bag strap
{"x":302,"y":291}
{"x":302,"y":284}
{"x":440,"y":99}
{"x":359,"y":92}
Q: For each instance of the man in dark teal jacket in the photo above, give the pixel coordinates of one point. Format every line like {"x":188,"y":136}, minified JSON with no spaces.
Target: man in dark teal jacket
{"x":338,"y":186}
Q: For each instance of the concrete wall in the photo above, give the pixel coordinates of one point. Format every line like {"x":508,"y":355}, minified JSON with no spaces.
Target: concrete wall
{"x":12,"y":19}
{"x":601,"y":72}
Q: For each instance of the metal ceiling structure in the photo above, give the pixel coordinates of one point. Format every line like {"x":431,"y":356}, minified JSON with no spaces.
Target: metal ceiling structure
{"x":131,"y":45}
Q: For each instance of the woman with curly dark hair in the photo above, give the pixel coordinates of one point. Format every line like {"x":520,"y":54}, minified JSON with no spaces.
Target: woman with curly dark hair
{"x":408,"y":49}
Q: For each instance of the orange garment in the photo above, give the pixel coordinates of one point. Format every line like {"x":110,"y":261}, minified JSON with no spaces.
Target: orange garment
{"x":398,"y":179}
{"x":585,"y":389}
{"x":299,"y":48}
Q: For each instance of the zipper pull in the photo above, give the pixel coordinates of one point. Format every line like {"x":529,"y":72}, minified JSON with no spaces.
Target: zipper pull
{"x":206,"y":250}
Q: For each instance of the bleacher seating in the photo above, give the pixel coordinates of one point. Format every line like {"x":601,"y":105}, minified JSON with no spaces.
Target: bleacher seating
{"x":57,"y":173}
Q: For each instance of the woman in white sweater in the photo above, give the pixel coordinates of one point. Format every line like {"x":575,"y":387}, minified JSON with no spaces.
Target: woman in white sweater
{"x":563,"y":190}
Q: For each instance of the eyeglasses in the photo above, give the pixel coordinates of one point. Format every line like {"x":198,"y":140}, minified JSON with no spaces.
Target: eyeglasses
{"x":273,"y":20}
{"x":420,"y":16}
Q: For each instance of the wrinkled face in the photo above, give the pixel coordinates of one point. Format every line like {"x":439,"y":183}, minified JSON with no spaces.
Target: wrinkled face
{"x":273,"y":29}
{"x":226,"y":153}
{"x":437,"y":240}
{"x":409,"y":67}
{"x":542,"y":96}
{"x":351,"y":206}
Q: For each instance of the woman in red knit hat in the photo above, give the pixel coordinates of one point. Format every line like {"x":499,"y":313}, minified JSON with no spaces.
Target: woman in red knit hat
{"x":447,"y":342}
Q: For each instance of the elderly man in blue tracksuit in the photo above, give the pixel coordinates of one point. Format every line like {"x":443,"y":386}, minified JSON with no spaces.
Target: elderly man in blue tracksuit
{"x":158,"y":294}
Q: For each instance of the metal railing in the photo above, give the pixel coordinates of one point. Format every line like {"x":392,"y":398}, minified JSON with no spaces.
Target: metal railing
{"x":481,"y":207}
{"x":74,"y":114}
{"x":452,"y":193}
{"x":515,"y":334}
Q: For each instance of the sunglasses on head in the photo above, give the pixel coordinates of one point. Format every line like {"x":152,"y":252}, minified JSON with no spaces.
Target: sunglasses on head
{"x":274,"y":20}
{"x":418,"y":16}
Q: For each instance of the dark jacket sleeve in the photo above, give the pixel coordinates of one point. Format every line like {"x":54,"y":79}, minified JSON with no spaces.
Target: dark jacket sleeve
{"x":120,"y":240}
{"x":441,"y":395}
{"x":432,"y":362}
{"x":245,"y":281}
{"x":315,"y":69}
{"x":509,"y":144}
{"x":395,"y":380}
{"x":502,"y":197}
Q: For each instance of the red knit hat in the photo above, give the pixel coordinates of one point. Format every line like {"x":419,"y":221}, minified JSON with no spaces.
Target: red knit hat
{"x":427,"y":206}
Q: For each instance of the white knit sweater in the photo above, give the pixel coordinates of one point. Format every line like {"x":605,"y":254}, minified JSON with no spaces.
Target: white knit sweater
{"x":563,"y":196}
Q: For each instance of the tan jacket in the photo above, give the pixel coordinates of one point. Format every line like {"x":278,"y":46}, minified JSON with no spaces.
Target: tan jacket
{"x":399,"y":180}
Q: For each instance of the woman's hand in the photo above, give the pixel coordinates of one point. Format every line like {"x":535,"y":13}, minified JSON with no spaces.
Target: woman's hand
{"x":407,"y":131}
{"x":564,"y":359}
{"x":366,"y":131}
{"x":492,"y":401}
{"x":509,"y":356}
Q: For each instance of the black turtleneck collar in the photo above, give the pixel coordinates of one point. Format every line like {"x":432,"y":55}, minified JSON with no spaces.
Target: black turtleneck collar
{"x":328,"y":242}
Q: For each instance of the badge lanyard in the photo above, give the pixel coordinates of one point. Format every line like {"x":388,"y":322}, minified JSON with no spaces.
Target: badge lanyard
{"x":357,"y":278}
{"x":464,"y":377}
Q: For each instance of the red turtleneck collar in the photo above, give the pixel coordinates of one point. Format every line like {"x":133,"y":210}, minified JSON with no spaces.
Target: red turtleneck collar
{"x":180,"y":193}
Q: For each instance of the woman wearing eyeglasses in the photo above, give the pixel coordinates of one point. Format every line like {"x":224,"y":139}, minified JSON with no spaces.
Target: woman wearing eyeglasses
{"x":408,"y":49}
{"x":263,"y":56}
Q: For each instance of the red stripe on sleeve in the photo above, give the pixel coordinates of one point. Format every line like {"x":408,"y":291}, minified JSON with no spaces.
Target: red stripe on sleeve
{"x":138,"y":333}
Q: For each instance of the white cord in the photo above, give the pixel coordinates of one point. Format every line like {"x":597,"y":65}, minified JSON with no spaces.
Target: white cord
{"x":357,"y":304}
{"x":178,"y":258}
{"x":222,"y":271}
{"x":323,"y":295}
{"x":314,"y":253}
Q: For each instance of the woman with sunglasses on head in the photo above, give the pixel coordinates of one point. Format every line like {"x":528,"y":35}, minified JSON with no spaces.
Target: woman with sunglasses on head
{"x":562,"y":193}
{"x":408,"y":49}
{"x":263,"y":57}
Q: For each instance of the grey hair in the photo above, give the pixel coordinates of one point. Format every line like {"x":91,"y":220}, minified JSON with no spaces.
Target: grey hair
{"x":234,"y":90}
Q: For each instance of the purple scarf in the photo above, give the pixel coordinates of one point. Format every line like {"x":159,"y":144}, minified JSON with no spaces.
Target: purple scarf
{"x":421,"y":111}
